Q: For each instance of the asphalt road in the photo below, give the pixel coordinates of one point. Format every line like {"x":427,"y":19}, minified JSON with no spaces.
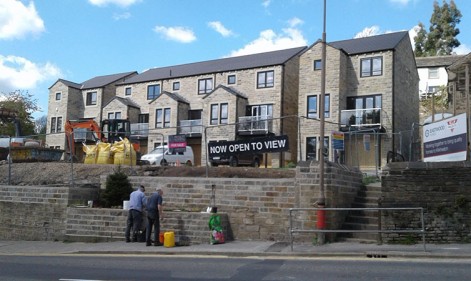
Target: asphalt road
{"x":147,"y":267}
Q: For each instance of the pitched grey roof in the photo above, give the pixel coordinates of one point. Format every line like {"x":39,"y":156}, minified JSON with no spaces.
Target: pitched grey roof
{"x":173,"y":96}
{"x":383,"y":42}
{"x":213,"y":66}
{"x":101,"y":81}
{"x":68,"y":84}
{"x":125,"y":101}
{"x":461,"y":63}
{"x":437,"y":61}
{"x":230,"y":90}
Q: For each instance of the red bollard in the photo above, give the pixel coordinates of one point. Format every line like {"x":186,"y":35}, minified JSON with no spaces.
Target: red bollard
{"x":320,"y":218}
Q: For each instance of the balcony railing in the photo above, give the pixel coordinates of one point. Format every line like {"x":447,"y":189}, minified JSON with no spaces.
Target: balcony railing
{"x":140,"y":129}
{"x":255,"y":124}
{"x":370,"y":117}
{"x":190,"y":127}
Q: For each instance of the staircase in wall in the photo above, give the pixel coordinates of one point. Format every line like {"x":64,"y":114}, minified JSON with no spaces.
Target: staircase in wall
{"x":367,"y":197}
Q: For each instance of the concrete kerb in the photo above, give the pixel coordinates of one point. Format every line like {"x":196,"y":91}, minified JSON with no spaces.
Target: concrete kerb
{"x":240,"y":249}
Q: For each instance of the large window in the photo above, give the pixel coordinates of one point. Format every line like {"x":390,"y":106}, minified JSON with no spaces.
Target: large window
{"x":205,"y":85}
{"x":91,"y":98}
{"x":364,"y":102}
{"x":56,"y":125}
{"x":372,"y":67}
{"x":162,"y":118}
{"x":312,"y":106}
{"x":265,"y":79}
{"x":219,"y":114}
{"x":153,"y":91}
{"x":312,"y":148}
{"x":53,"y":124}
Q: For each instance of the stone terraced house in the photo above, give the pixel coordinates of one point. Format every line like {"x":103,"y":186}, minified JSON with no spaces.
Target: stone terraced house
{"x":371,"y":83}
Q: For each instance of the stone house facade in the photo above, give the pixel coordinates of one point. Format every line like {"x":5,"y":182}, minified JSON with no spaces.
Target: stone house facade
{"x":370,"y":93}
{"x":263,"y":95}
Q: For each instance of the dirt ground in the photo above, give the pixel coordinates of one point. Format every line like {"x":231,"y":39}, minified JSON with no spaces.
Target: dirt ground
{"x":57,"y":173}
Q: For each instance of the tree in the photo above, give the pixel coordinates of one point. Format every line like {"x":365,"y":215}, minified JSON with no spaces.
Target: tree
{"x":24,"y":104}
{"x":40,"y":125}
{"x":118,"y":188}
{"x":441,"y":38}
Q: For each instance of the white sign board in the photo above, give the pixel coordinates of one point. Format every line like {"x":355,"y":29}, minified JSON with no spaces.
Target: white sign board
{"x":446,"y":140}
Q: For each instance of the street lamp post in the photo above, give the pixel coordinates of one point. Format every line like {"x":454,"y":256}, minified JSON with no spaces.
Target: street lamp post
{"x":321,"y":201}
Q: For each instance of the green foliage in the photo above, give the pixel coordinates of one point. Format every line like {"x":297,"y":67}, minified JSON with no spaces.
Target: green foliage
{"x":117,"y":189}
{"x":291,"y":165}
{"x":24,"y":104}
{"x":369,"y":179}
{"x":438,"y":103}
{"x":441,"y":38}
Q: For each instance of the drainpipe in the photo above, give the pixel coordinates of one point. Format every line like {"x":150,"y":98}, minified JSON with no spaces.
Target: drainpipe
{"x":282,"y":111}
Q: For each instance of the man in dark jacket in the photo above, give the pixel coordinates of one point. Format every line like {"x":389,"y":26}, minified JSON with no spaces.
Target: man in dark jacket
{"x":154,"y":215}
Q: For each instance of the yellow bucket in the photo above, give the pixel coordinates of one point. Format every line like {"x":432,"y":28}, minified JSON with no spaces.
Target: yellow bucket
{"x":169,"y":239}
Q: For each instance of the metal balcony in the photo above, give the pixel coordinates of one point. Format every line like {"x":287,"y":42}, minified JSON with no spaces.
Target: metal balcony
{"x":361,"y":118}
{"x":255,"y":125}
{"x":140,"y":129}
{"x":190,"y":127}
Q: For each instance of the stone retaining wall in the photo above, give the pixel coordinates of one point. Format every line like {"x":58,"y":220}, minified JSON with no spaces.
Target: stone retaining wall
{"x":257,"y":209}
{"x":443,"y":189}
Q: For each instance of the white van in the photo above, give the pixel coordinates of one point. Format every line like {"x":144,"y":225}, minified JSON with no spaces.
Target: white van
{"x":161,"y":156}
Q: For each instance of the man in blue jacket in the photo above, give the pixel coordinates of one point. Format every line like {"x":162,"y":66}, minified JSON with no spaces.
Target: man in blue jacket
{"x":154,"y":215}
{"x":137,"y":202}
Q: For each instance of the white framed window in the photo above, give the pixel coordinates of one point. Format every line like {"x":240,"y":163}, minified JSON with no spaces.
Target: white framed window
{"x":433,"y":73}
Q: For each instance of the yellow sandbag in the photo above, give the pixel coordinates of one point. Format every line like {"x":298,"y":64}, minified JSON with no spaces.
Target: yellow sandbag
{"x":104,"y":153}
{"x":90,"y":154}
{"x":123,"y":153}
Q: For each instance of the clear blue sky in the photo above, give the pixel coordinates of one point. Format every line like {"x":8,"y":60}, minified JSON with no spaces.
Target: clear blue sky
{"x":44,"y":40}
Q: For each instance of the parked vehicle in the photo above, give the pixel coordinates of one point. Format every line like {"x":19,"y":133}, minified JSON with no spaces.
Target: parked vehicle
{"x":162,"y":156}
{"x":241,"y":159}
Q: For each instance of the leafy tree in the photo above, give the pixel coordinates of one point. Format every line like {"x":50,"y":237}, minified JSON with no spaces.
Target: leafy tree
{"x":441,"y":38}
{"x":24,"y":104}
{"x":118,"y":188}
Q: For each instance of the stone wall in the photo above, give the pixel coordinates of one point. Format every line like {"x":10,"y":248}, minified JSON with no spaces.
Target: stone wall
{"x":251,"y":209}
{"x":443,"y":189}
{"x":33,"y":212}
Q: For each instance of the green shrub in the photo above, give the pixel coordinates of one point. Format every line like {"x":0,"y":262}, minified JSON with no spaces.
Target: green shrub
{"x":117,"y":189}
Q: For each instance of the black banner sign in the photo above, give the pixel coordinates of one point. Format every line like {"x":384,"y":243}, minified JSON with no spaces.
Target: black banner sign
{"x":258,"y":145}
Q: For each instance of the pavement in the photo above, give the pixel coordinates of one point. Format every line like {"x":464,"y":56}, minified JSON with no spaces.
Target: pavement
{"x":241,"y":249}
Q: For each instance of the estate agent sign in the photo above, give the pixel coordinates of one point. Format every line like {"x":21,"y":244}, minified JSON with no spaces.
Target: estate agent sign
{"x":446,"y":140}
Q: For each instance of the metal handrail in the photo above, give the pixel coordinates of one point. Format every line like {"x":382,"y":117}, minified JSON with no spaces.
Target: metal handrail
{"x":291,"y":230}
